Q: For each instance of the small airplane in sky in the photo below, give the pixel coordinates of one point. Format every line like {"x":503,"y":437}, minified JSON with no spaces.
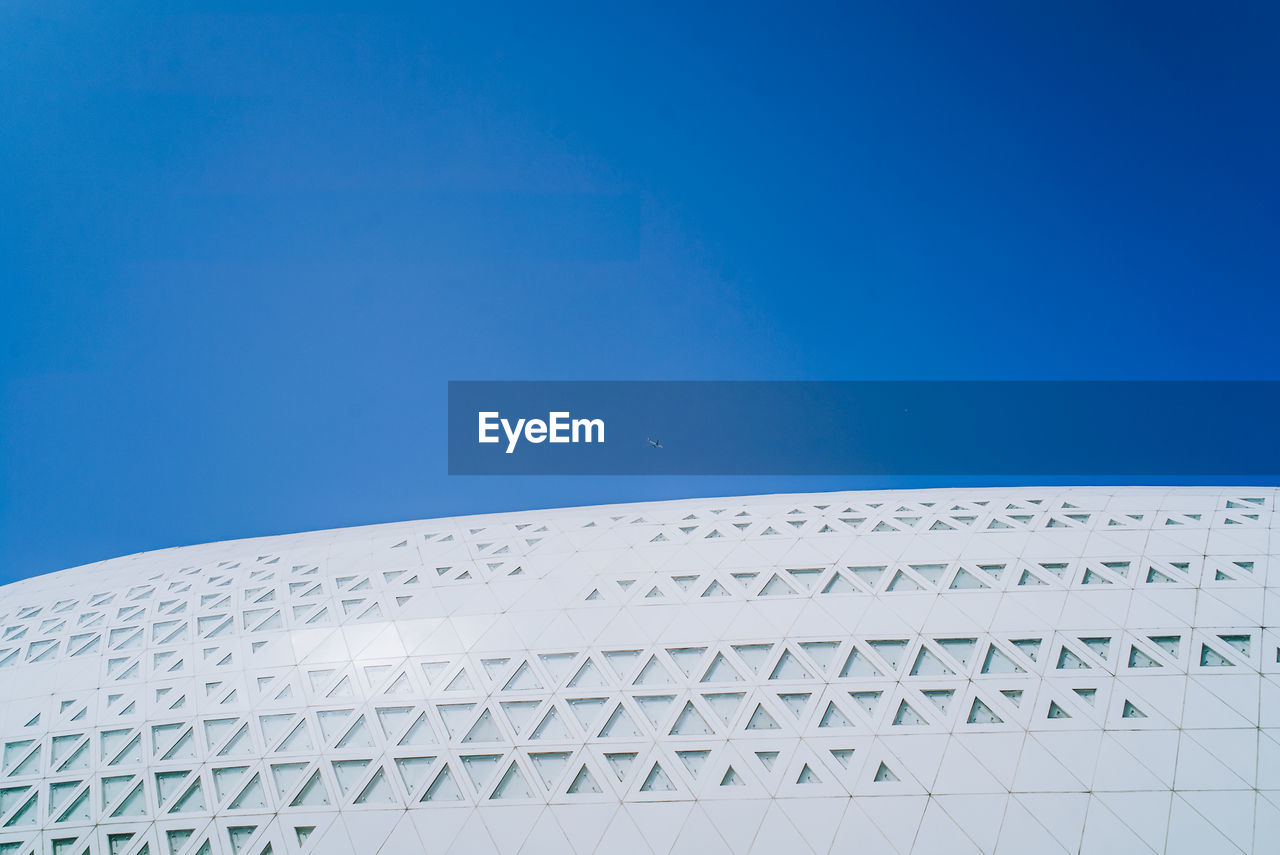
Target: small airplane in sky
{"x":655,"y":443}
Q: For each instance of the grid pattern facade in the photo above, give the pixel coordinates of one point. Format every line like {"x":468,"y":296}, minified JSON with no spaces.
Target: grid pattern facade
{"x":1066,"y":670}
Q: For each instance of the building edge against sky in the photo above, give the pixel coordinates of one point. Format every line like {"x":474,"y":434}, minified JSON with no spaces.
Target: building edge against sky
{"x":967,"y":670}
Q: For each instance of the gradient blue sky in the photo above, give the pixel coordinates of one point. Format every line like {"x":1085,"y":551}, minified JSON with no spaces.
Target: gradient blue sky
{"x":243,"y":246}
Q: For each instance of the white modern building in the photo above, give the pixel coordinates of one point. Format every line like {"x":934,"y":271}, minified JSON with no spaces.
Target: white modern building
{"x":943,"y":671}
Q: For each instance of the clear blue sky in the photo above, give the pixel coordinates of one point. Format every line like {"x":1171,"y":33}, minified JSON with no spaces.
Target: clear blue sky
{"x":244,"y":246}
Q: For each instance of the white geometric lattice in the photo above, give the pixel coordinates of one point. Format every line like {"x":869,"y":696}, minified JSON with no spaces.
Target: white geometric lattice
{"x":958,"y":671}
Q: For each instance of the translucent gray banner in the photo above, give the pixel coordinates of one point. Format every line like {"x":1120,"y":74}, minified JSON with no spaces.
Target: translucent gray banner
{"x":864,"y":428}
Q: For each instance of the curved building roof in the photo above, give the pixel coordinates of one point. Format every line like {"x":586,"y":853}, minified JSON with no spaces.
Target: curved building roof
{"x":950,"y":671}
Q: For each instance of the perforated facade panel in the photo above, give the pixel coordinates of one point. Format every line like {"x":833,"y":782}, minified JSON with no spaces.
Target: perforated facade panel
{"x":950,"y":671}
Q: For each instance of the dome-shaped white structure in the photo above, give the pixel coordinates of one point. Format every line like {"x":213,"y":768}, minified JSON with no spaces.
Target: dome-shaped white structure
{"x":949,"y":671}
